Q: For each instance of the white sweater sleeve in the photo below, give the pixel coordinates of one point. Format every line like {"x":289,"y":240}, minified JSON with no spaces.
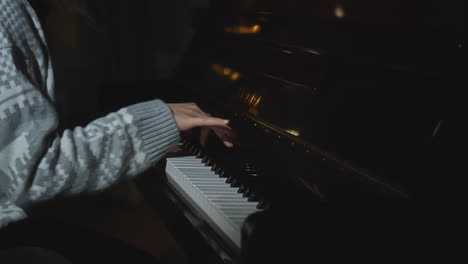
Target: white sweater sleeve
{"x":36,"y":163}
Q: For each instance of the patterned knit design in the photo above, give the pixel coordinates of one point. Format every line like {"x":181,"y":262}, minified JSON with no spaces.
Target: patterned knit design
{"x":36,"y":163}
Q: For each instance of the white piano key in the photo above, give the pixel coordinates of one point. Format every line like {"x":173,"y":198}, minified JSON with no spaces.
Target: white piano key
{"x":196,"y":179}
{"x":238,"y":210}
{"x":195,"y":170}
{"x":204,"y":179}
{"x":227,"y":197}
{"x":232,"y":205}
{"x":188,"y":161}
{"x":217,"y":188}
{"x":218,"y":192}
{"x":201,"y":176}
{"x":223,"y":196}
{"x":183,"y":162}
{"x":200,"y":170}
{"x":229,"y":201}
{"x":224,"y":200}
{"x":208,"y":193}
{"x":201,"y":181}
{"x":237,"y":216}
{"x":217,"y":199}
{"x":202,"y":184}
{"x":183,"y":158}
{"x":195,"y":164}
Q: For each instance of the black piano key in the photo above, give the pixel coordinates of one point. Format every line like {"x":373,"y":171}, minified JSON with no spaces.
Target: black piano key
{"x":242,"y":188}
{"x":187,"y":145}
{"x":222,"y":174}
{"x":218,"y":170}
{"x":205,"y":159}
{"x":214,"y":167}
{"x":199,"y":153}
{"x":234,"y":183}
{"x":229,"y":179}
{"x":253,"y":198}
{"x":261,"y":204}
{"x":193,"y":149}
{"x":247,"y":192}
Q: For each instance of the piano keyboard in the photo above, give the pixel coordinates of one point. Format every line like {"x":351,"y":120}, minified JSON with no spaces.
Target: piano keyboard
{"x":223,"y":204}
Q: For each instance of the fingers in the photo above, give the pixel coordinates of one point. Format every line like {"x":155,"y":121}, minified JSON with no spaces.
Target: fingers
{"x":208,"y":121}
{"x":195,"y":108}
{"x":189,"y":116}
{"x":198,"y":117}
{"x":204,"y":132}
{"x":228,"y":144}
{"x":226,"y":135}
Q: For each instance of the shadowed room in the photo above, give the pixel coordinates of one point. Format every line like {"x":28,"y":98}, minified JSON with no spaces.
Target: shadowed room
{"x":228,"y":131}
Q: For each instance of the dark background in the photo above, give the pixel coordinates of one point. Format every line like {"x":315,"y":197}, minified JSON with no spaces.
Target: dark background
{"x":127,"y":41}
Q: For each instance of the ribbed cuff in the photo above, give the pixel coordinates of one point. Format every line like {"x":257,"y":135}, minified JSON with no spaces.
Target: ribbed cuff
{"x":156,"y":126}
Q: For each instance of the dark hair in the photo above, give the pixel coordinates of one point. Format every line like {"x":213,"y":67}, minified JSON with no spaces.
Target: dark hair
{"x":74,"y":7}
{"x":80,"y":8}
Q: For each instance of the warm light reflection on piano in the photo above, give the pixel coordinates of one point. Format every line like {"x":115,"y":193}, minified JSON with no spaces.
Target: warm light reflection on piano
{"x":235,"y":76}
{"x":339,"y":11}
{"x":225,"y":72}
{"x":252,"y":100}
{"x":293,"y":132}
{"x":243,"y":29}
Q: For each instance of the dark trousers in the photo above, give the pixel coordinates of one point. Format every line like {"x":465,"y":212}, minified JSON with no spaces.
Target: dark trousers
{"x":55,"y":243}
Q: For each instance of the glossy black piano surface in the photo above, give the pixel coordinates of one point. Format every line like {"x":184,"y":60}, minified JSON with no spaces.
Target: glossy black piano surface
{"x":340,"y":111}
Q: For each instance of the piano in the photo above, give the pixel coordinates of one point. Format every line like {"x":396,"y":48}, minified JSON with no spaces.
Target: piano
{"x":341,"y":112}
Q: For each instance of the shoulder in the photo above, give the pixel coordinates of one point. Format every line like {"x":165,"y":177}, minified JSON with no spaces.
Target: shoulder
{"x":10,"y":10}
{"x":16,"y":20}
{"x":9,"y":7}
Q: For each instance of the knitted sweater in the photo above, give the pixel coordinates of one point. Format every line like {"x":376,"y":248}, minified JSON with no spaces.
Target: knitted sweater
{"x":36,"y":162}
